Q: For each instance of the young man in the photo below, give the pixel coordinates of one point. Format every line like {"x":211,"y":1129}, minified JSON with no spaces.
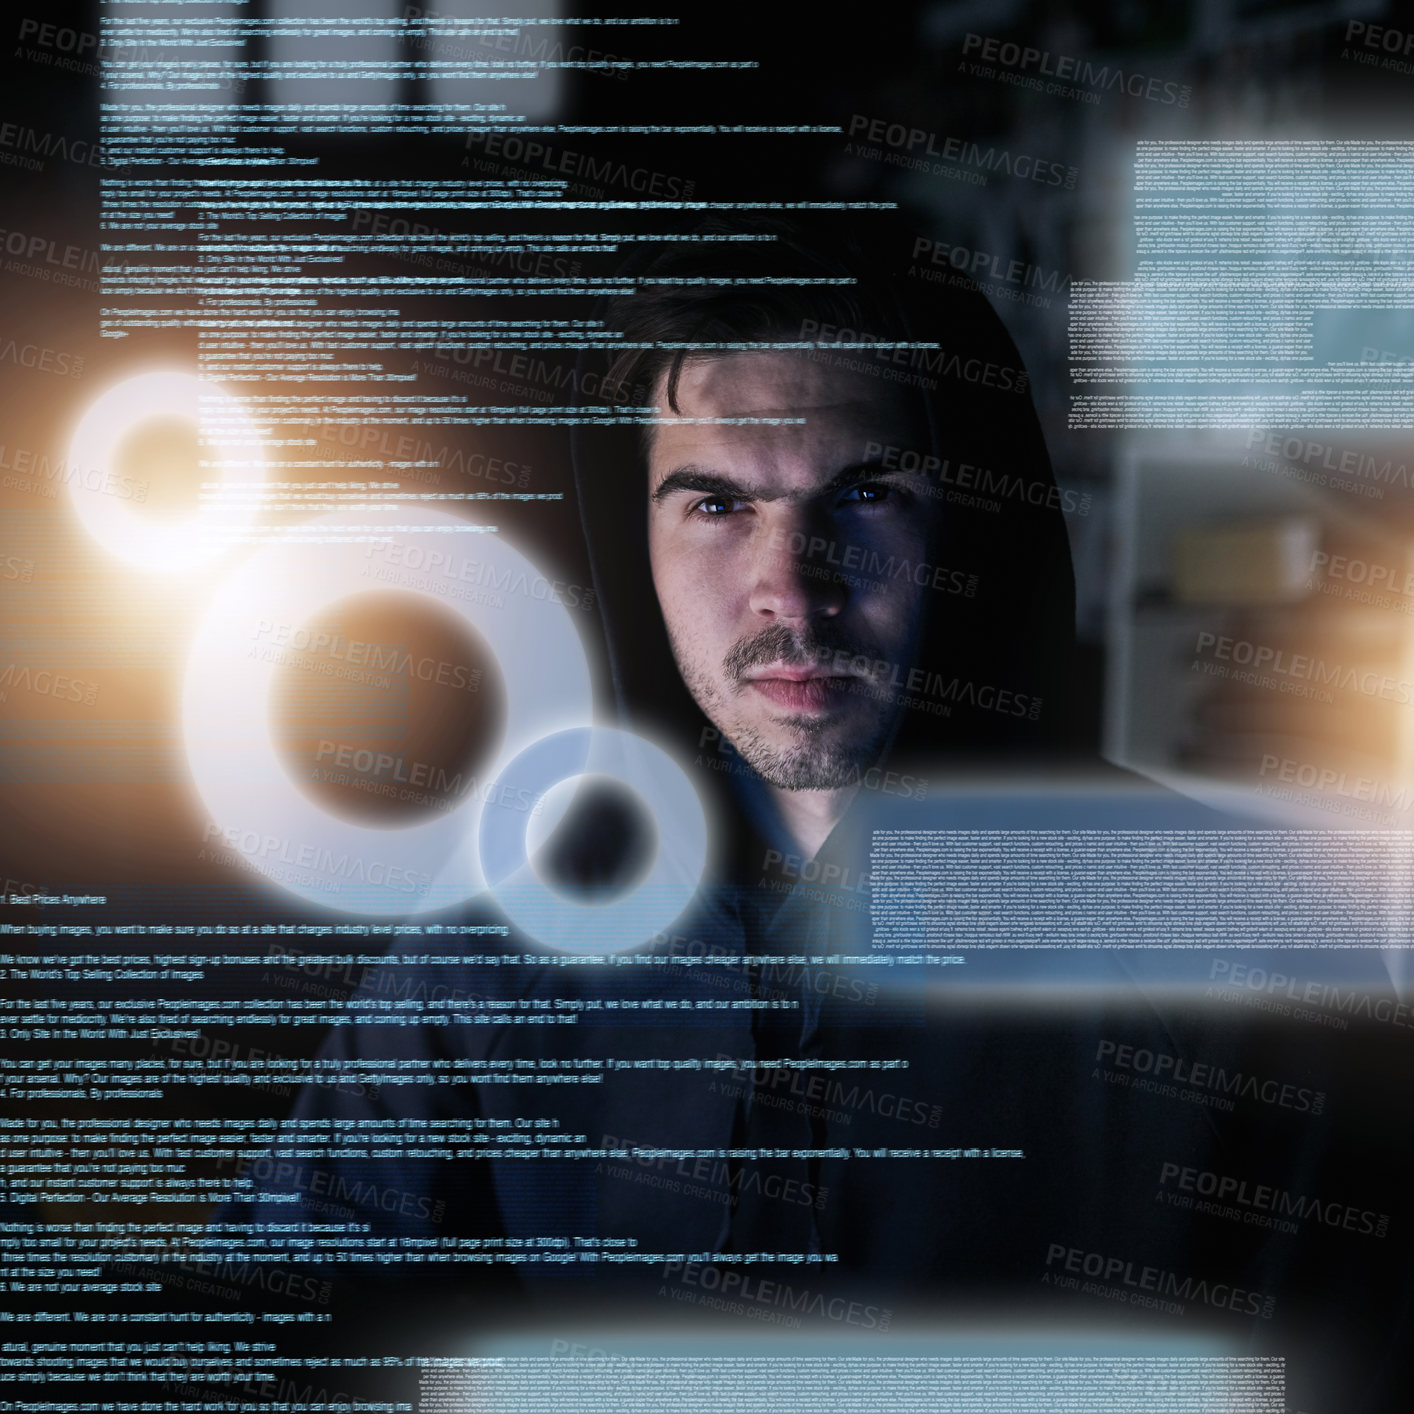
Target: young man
{"x":833,"y":558}
{"x":826,"y":574}
{"x":838,"y":541}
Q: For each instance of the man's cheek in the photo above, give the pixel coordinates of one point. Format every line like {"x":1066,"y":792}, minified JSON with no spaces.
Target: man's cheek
{"x":698,"y":623}
{"x":668,"y":561}
{"x":898,"y":599}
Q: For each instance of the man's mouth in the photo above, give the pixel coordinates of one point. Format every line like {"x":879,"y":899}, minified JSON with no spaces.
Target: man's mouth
{"x":800,"y":689}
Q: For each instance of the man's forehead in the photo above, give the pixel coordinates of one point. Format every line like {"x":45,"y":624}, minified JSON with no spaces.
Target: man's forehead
{"x":827,"y":414}
{"x":780,"y":384}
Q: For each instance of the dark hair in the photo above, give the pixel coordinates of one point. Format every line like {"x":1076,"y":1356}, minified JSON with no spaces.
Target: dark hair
{"x":721,"y":288}
{"x":717,"y":289}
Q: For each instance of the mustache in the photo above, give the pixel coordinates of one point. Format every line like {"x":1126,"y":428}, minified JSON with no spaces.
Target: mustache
{"x":846,"y":654}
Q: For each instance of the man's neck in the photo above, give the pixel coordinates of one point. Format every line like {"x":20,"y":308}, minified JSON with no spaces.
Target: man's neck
{"x":809,"y":816}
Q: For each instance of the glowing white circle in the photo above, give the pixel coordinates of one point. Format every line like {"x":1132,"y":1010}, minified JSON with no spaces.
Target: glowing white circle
{"x":257,"y":809}
{"x":640,"y":911}
{"x":231,"y":440}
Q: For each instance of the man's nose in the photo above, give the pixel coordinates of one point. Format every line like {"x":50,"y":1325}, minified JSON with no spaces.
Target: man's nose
{"x":791,"y":574}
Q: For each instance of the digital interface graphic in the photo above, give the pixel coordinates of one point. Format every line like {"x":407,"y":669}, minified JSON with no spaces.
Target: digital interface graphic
{"x":706,"y":710}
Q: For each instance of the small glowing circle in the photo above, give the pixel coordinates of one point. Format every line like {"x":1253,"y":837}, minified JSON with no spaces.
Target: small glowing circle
{"x":233,"y":448}
{"x":639,"y":913}
{"x":258,"y":811}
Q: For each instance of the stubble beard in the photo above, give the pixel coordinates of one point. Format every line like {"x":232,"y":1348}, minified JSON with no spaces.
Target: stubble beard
{"x":813,"y":758}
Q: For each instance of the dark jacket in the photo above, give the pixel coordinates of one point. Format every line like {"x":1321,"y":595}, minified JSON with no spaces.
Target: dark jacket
{"x":1010,"y":636}
{"x":889,"y":1076}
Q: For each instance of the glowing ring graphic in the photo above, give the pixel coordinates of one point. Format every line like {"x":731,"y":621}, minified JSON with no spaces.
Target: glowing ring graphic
{"x":255,"y":806}
{"x":572,"y":925}
{"x":235,"y":450}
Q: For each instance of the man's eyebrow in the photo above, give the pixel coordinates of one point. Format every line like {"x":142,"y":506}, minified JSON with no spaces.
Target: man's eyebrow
{"x":858,"y":472}
{"x":705,"y":482}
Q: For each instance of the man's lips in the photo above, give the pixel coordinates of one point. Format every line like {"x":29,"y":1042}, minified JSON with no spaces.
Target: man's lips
{"x":800,"y":689}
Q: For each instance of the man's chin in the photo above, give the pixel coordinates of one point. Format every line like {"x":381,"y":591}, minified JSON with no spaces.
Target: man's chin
{"x":816,"y":766}
{"x":799,"y":776}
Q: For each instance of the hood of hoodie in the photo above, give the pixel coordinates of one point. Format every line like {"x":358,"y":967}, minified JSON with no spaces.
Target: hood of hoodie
{"x":998,"y":657}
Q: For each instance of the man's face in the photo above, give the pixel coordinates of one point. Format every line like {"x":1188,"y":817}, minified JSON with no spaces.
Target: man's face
{"x":785,"y":561}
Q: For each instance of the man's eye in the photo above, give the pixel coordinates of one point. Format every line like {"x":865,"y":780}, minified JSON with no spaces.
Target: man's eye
{"x":872,"y":493}
{"x":715,"y":507}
